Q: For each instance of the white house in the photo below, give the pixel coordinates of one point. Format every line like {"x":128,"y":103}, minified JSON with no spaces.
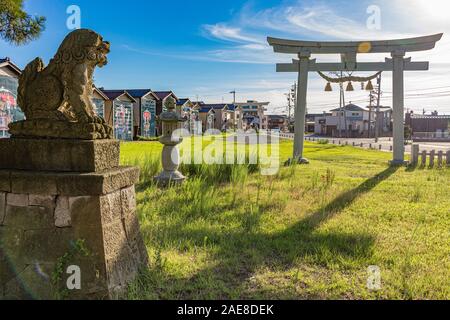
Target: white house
{"x":251,"y":113}
{"x":354,"y":121}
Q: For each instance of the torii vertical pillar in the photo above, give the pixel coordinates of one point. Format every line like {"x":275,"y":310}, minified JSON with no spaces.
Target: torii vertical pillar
{"x":398,"y":104}
{"x":300,"y":108}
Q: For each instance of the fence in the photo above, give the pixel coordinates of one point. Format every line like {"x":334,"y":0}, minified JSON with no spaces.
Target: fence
{"x":433,"y":156}
{"x":367,"y":145}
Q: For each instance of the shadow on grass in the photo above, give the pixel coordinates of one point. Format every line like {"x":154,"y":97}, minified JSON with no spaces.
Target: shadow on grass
{"x":239,"y":253}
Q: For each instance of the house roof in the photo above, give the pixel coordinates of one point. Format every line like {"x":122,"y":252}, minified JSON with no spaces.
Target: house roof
{"x":381,"y":107}
{"x":216,"y":106}
{"x":114,"y":94}
{"x":139,"y":93}
{"x":206,"y":109}
{"x":101,"y":93}
{"x":252,"y":103}
{"x":276,"y":117}
{"x":182,"y":102}
{"x":350,"y":107}
{"x":164,"y":94}
{"x":6,"y":62}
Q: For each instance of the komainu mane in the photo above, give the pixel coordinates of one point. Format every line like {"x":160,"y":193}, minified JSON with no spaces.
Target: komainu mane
{"x":56,"y":99}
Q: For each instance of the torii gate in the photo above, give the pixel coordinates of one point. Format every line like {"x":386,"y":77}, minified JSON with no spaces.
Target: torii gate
{"x":349,"y":50}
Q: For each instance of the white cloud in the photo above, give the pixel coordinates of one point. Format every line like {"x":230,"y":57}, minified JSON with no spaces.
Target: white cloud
{"x":234,"y":34}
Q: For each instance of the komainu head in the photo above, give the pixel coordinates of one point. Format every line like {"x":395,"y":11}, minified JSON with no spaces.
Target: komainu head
{"x":83,"y":45}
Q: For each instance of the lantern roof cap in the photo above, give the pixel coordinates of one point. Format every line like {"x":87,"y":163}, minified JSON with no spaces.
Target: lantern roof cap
{"x":170,"y":116}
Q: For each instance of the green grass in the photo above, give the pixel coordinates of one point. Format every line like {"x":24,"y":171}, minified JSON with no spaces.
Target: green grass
{"x":309,"y":232}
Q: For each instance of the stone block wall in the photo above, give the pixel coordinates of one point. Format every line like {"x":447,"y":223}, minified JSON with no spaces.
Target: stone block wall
{"x":86,"y":220}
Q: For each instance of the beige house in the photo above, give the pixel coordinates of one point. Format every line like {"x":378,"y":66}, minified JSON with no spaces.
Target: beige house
{"x":215,"y":116}
{"x":99,"y":100}
{"x":250,"y":114}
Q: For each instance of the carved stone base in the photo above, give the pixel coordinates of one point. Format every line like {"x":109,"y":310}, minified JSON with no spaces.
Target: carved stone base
{"x":52,"y":221}
{"x":398,"y":163}
{"x":292,"y":161}
{"x":60,"y":130}
{"x":166,"y":178}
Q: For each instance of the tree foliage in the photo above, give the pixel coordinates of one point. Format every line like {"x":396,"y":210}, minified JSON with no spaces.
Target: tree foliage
{"x":17,"y":26}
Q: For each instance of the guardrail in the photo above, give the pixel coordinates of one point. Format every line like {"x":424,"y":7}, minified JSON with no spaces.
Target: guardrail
{"x":373,"y":146}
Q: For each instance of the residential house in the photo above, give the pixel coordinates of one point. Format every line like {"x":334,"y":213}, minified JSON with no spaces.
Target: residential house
{"x":207,"y":116}
{"x":144,"y":111}
{"x":353,"y":121}
{"x":429,"y":128}
{"x":311,"y":121}
{"x":119,"y":113}
{"x":189,"y":111}
{"x":277,"y":122}
{"x":215,"y":116}
{"x":231,"y":117}
{"x":99,"y":100}
{"x":250,"y":114}
{"x":162,"y":96}
{"x":9,"y":83}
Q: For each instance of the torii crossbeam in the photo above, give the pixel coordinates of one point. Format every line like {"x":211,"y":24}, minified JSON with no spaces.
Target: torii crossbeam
{"x":349,"y":51}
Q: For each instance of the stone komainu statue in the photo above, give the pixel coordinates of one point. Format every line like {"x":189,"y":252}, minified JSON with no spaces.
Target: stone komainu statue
{"x":56,"y":99}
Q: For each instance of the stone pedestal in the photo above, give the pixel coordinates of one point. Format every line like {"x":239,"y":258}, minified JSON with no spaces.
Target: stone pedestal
{"x":170,"y":162}
{"x":51,"y":221}
{"x":59,"y":154}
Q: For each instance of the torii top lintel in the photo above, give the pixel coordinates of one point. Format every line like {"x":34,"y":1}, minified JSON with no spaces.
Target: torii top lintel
{"x":336,"y":47}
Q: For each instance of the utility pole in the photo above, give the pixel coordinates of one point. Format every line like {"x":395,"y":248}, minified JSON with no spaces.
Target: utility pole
{"x":289,"y":100}
{"x":377,"y":122}
{"x":294,"y":92}
{"x":234,"y":96}
{"x":289,"y":107}
{"x":293,"y":99}
{"x":370,"y":115}
{"x":236,"y":122}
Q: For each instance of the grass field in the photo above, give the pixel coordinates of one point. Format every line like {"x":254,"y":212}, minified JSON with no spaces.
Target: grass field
{"x":310,"y":232}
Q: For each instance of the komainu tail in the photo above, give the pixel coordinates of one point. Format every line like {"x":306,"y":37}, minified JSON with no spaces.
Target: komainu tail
{"x":28,"y":76}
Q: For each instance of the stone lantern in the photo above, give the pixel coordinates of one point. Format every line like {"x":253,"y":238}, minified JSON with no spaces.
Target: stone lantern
{"x":171,"y":154}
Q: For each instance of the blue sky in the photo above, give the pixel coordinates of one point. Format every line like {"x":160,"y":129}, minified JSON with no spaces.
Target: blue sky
{"x":208,"y":48}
